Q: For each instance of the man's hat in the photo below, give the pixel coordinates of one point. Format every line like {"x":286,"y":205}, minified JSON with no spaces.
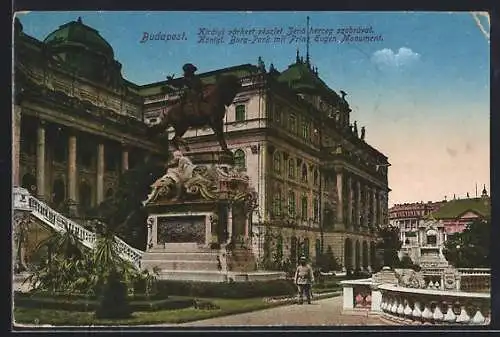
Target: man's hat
{"x":189,"y":68}
{"x":302,"y":258}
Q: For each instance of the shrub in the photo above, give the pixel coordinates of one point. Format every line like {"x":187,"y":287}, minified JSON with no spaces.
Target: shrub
{"x":227,"y":290}
{"x":76,"y":296}
{"x":72,"y":303}
{"x":328,"y":262}
{"x":114,"y":302}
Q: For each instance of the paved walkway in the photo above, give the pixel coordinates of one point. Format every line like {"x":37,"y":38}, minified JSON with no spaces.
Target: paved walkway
{"x":327,"y":312}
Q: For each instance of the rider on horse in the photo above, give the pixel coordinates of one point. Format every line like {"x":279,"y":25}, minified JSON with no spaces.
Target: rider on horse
{"x":194,"y":91}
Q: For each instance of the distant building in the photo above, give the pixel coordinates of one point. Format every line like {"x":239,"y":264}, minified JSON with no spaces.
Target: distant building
{"x":457,"y":214}
{"x":425,"y":227}
{"x":409,"y":216}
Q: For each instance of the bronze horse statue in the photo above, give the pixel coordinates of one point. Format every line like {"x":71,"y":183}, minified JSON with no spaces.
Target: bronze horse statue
{"x":181,"y":115}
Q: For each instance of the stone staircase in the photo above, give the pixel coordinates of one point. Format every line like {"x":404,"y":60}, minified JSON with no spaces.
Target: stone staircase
{"x":24,"y":202}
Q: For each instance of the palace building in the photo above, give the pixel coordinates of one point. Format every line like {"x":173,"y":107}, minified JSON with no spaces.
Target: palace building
{"x":77,"y":124}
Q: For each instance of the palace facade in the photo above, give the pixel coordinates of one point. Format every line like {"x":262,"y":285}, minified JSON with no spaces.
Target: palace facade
{"x":77,"y":124}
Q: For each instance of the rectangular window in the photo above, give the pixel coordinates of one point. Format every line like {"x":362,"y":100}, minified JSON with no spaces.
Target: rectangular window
{"x":277,"y":204}
{"x":304,"y":208}
{"x":293,"y":124}
{"x":305,"y":129}
{"x":291,"y":169}
{"x":277,"y":162}
{"x":291,"y":204}
{"x":316,"y":209}
{"x":240,"y":113}
{"x":277,"y":114}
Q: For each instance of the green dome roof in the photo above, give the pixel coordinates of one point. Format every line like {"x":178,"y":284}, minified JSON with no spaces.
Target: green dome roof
{"x":75,"y":33}
{"x":300,"y":78}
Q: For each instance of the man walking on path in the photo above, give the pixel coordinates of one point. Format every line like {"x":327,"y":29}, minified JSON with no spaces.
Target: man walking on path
{"x":304,"y":277}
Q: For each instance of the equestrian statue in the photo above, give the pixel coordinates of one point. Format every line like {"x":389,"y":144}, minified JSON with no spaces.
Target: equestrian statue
{"x":200,"y":105}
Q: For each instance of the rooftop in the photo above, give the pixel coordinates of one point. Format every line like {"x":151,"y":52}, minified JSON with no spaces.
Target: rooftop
{"x":455,"y":208}
{"x":75,"y":33}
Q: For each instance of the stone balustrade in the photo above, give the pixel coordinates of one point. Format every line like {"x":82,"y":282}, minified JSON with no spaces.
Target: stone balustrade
{"x":415,"y":305}
{"x":475,"y":279}
{"x":435,"y":306}
{"x":23,"y":201}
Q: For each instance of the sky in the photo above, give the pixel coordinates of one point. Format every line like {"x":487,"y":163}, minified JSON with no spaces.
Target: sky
{"x":420,"y":85}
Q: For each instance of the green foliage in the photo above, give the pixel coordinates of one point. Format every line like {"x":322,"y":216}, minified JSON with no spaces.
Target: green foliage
{"x":389,"y":244}
{"x":278,"y":253}
{"x":327,"y":262}
{"x":77,"y":303}
{"x":72,"y":268}
{"x":407,"y":263}
{"x":227,"y":290}
{"x":69,"y":266}
{"x":114,"y":302}
{"x":471,"y":248}
{"x":124,"y":211}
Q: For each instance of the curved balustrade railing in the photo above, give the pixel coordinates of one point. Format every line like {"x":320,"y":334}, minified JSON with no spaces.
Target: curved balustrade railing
{"x":435,"y":306}
{"x":22,"y":200}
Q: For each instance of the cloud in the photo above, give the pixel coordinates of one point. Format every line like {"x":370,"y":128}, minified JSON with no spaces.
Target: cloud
{"x":404,"y":56}
{"x":451,"y":152}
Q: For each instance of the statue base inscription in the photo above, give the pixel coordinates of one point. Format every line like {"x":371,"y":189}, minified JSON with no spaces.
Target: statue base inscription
{"x":181,"y":230}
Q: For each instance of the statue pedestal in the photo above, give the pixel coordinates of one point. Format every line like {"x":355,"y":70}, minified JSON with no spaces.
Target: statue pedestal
{"x":199,"y":213}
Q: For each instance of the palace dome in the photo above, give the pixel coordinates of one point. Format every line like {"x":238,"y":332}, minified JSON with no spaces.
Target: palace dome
{"x":76,"y":35}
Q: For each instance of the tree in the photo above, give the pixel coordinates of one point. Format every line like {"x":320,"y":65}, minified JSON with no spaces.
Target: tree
{"x":124,"y":211}
{"x":389,"y":245}
{"x":470,"y":248}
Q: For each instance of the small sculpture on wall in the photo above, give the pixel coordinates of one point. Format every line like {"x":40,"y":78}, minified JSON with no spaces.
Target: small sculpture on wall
{"x":409,"y":278}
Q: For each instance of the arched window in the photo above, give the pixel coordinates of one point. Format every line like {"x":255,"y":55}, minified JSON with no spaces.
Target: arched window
{"x":239,"y":159}
{"x":29,"y":182}
{"x":431,"y":237}
{"x":291,"y":203}
{"x":277,"y":203}
{"x":291,"y":168}
{"x":277,"y":162}
{"x":304,"y":207}
{"x":304,"y":173}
